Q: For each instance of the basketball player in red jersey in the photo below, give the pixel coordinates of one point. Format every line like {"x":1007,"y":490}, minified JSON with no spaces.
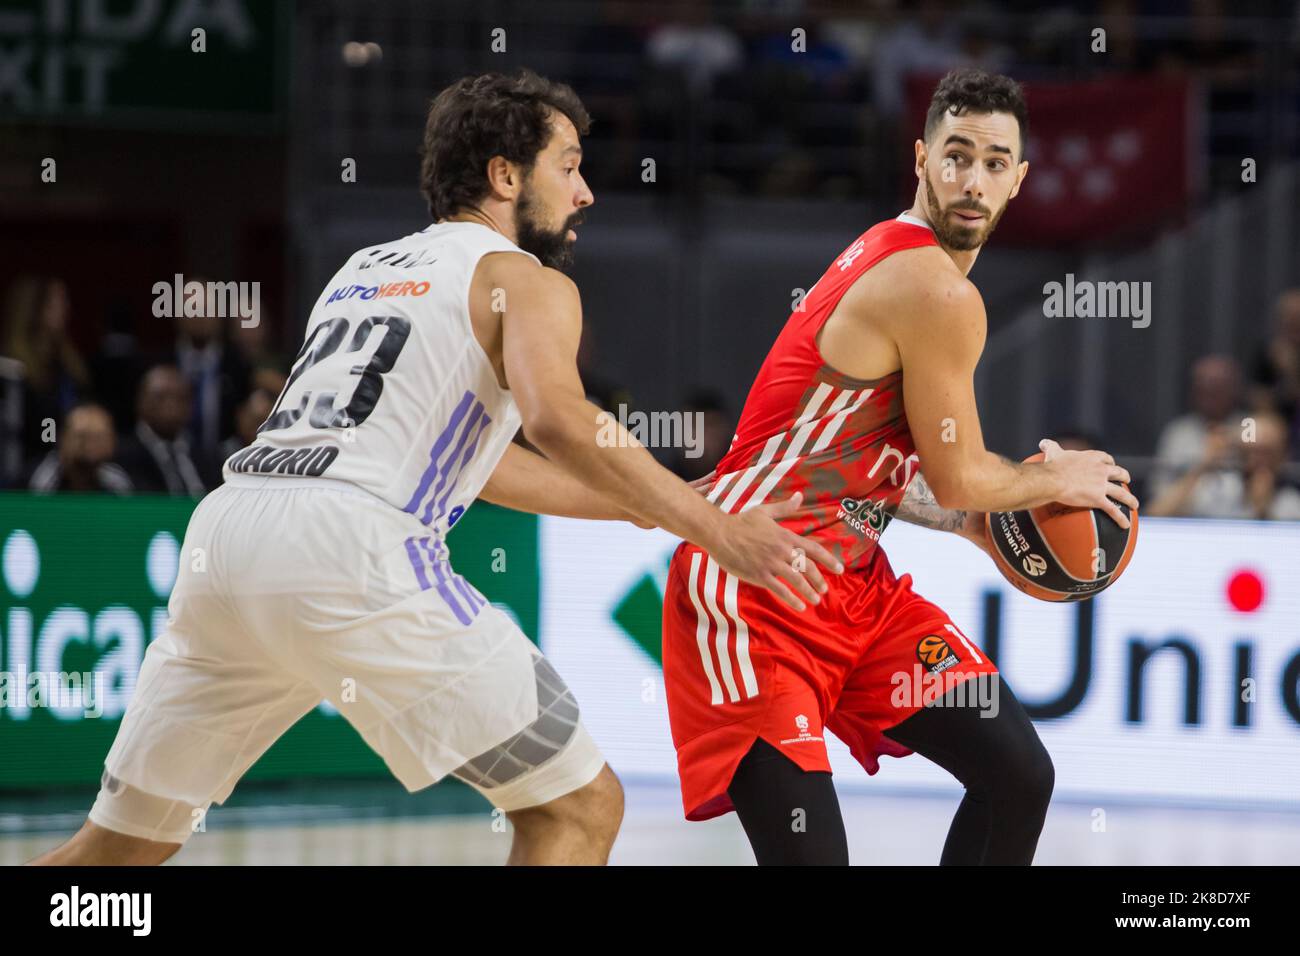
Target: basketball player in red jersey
{"x":870,"y":384}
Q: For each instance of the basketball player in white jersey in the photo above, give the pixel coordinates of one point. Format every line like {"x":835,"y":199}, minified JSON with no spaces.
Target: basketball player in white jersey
{"x":320,"y":569}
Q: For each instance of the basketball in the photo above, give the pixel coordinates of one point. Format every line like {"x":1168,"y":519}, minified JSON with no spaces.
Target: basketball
{"x":1058,"y":553}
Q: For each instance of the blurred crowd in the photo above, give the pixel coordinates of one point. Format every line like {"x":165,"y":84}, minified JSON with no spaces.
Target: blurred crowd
{"x":1234,"y":452}
{"x":123,"y":421}
{"x":128,"y":419}
{"x":1227,"y":456}
{"x":721,"y":84}
{"x":725,"y":83}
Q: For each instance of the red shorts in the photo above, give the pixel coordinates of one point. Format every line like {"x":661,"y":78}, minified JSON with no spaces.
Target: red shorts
{"x":740,"y":664}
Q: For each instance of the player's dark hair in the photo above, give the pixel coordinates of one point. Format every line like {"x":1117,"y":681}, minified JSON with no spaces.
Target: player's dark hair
{"x":974,"y":91}
{"x":479,"y":117}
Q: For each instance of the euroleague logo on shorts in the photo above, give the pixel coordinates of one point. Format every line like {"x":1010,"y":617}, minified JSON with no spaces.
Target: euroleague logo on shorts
{"x":934,"y":652}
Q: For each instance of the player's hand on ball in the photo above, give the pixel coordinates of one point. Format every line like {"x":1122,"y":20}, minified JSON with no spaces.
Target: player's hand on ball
{"x":1091,"y":480}
{"x":758,"y":550}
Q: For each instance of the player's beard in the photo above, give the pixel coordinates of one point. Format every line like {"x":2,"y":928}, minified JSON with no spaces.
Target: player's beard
{"x":551,"y":247}
{"x":955,"y":237}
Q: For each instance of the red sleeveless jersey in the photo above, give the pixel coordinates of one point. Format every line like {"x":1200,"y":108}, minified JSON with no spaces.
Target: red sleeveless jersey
{"x":842,"y":441}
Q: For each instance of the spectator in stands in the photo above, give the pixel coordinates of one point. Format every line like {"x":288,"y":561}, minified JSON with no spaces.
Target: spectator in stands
{"x":217,"y":373}
{"x":248,"y":418}
{"x":81,"y":457}
{"x":117,"y":364}
{"x":927,"y":41}
{"x":693,"y":42}
{"x":1125,"y":49}
{"x":157,"y":456}
{"x":1215,"y":400}
{"x":1276,"y":372}
{"x":1226,"y":66}
{"x":265,"y":364}
{"x":1253,"y":487}
{"x":608,"y":66}
{"x":37,"y":313}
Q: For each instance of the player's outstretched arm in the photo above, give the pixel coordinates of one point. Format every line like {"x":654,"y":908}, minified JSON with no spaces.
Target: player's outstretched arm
{"x":940,"y":331}
{"x":541,"y":326}
{"x":525,"y":481}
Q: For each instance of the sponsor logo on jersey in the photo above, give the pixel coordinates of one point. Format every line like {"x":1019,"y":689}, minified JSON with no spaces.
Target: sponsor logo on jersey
{"x":267,"y":459}
{"x":385,"y":290}
{"x":805,"y":735}
{"x":936,"y":654}
{"x":864,"y":516}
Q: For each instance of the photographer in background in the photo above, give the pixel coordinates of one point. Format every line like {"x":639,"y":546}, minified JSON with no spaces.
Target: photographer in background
{"x":1236,"y":478}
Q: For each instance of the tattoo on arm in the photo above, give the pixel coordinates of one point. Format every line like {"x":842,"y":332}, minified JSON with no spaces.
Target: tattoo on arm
{"x":920,"y":507}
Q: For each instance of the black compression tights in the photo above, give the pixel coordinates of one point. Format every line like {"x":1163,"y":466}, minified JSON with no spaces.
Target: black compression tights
{"x":793,"y":817}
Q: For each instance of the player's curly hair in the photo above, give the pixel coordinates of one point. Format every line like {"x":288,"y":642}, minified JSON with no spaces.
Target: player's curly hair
{"x":479,"y":117}
{"x":974,"y":91}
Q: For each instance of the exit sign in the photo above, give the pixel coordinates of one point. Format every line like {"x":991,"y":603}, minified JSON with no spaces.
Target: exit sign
{"x":144,"y":62}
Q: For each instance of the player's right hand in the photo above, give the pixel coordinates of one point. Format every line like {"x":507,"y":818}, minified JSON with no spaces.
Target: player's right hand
{"x":758,"y":550}
{"x":1091,"y":479}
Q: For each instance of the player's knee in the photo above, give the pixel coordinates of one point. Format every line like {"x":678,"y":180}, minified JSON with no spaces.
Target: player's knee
{"x":1040,"y":776}
{"x":1019,"y":770}
{"x":598,"y":806}
{"x":1026,"y":776}
{"x":605,"y":801}
{"x":595,"y":808}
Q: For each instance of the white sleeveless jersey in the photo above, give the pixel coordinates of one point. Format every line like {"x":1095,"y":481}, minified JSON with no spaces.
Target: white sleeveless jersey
{"x":391,"y":391}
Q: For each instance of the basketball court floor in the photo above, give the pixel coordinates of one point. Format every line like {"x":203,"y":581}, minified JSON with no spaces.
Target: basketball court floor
{"x":377,"y":822}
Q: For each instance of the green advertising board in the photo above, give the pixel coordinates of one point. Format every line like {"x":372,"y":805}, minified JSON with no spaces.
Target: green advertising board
{"x":84,"y":583}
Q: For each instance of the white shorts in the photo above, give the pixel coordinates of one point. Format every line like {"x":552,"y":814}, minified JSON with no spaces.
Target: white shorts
{"x":294,"y":591}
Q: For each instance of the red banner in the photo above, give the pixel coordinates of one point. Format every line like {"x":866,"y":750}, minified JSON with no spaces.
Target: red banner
{"x":1107,"y":158}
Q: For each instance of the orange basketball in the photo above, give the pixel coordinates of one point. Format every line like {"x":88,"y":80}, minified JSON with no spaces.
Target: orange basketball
{"x":1059,"y":553}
